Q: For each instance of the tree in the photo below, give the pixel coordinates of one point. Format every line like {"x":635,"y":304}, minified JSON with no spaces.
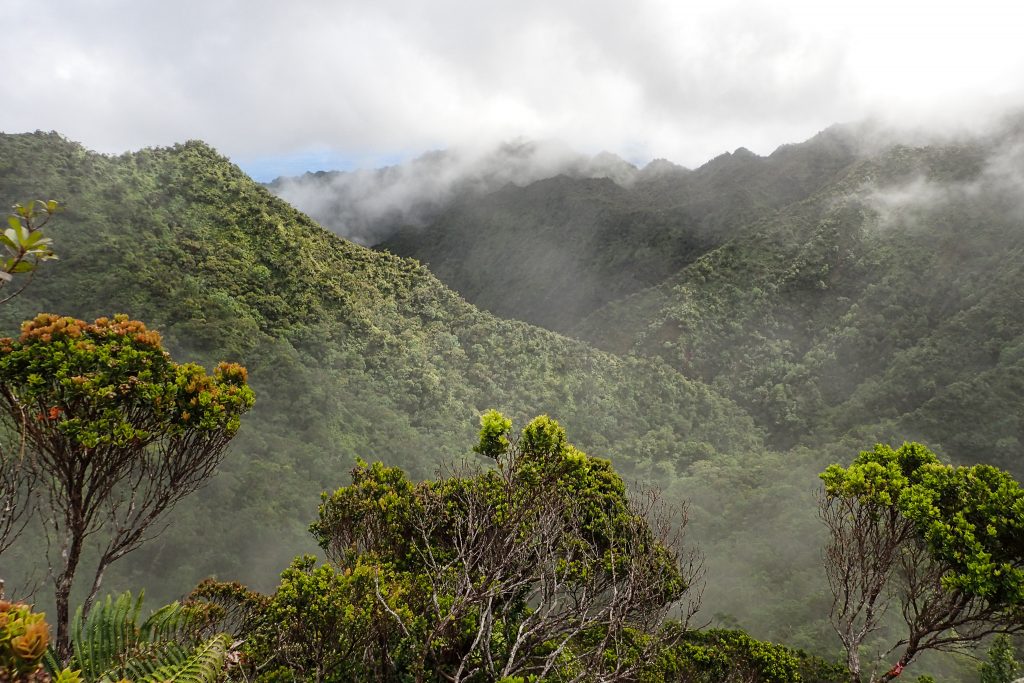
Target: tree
{"x":117,"y":432}
{"x":540,"y":566}
{"x":946,"y":543}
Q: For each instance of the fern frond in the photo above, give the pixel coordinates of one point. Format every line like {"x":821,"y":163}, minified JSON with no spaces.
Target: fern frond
{"x":50,"y":662}
{"x":100,"y":640}
{"x":204,"y":666}
{"x":146,"y":661}
{"x":110,"y":645}
{"x":170,"y":622}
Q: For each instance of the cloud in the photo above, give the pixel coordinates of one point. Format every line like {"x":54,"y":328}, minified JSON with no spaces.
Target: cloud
{"x":260,"y":79}
{"x":993,"y":190}
{"x":367,"y":206}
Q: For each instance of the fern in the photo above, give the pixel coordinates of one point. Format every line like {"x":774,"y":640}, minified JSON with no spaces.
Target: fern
{"x":110,"y":645}
{"x":204,"y":666}
{"x":101,"y":641}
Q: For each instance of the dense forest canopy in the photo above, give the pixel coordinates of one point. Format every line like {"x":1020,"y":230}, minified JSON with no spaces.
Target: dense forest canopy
{"x":724,"y":333}
{"x":353,"y":352}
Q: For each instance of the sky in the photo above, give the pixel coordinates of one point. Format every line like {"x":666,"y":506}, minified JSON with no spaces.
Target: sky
{"x":284,"y":87}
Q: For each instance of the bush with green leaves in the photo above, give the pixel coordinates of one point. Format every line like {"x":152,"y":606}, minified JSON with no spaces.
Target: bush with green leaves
{"x":721,"y":656}
{"x":540,"y":566}
{"x":1001,"y":665}
{"x":331,"y":624}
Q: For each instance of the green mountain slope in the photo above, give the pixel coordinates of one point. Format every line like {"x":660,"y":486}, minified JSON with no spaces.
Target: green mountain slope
{"x":852,"y":290}
{"x":555,"y":250}
{"x":838,"y":300}
{"x":351,"y":352}
{"x":887,"y":306}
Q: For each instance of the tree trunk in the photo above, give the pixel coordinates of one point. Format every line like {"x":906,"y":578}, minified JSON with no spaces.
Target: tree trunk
{"x":62,"y":594}
{"x":853,"y":664}
{"x":90,"y":600}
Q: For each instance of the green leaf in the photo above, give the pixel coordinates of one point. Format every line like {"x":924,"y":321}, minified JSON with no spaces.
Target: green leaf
{"x":22,"y":267}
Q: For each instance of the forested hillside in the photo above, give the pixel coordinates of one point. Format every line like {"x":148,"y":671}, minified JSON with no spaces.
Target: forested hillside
{"x":760,"y":319}
{"x":886,"y":306}
{"x":555,"y":250}
{"x":351,"y":352}
{"x":847,"y":289}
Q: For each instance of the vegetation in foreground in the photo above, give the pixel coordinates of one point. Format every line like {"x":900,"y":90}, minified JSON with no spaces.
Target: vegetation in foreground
{"x":538,"y":567}
{"x":541,"y":566}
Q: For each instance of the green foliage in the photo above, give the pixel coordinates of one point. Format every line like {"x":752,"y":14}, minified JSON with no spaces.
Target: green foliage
{"x":112,"y":643}
{"x":788,"y":292}
{"x":204,"y":665}
{"x":1002,"y":665}
{"x":110,"y":384}
{"x":353,"y":352}
{"x":327,"y":624}
{"x":216,"y":607}
{"x":372,"y":515}
{"x":866,"y":288}
{"x":554,"y":251}
{"x":538,"y":567}
{"x":721,"y":655}
{"x":494,"y":431}
{"x":880,"y":476}
{"x":66,"y":676}
{"x":24,"y":241}
{"x":971,"y":518}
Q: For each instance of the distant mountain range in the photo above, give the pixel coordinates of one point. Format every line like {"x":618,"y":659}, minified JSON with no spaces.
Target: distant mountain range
{"x":805,"y":285}
{"x":367,"y":206}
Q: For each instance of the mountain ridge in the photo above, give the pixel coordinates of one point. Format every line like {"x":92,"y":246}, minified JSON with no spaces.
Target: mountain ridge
{"x":351,"y":352}
{"x":595,"y":248}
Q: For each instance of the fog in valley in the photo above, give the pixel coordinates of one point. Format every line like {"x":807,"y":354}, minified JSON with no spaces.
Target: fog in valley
{"x":368,"y":205}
